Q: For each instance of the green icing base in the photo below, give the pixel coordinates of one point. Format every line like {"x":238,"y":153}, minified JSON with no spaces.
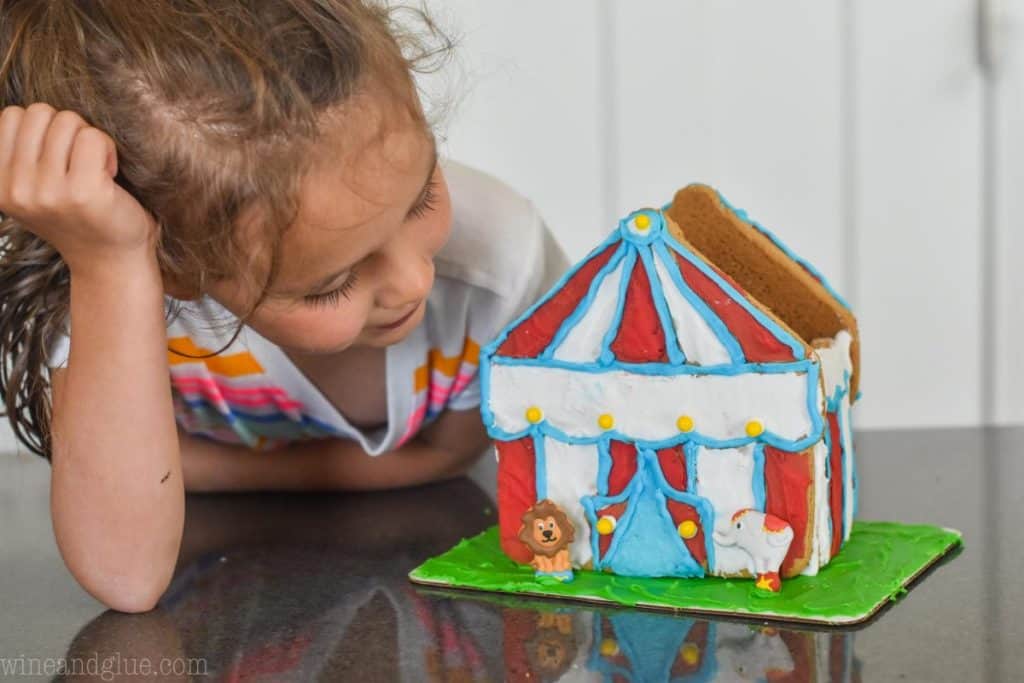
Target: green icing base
{"x":874,"y":566}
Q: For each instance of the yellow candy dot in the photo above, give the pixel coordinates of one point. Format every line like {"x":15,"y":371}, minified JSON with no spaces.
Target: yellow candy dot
{"x":606,"y":421}
{"x":534,"y":415}
{"x":690,"y":653}
{"x":605,"y":525}
{"x":755,"y":428}
{"x":685,"y":423}
{"x":688,"y":528}
{"x":642,"y":222}
{"x":609,"y":648}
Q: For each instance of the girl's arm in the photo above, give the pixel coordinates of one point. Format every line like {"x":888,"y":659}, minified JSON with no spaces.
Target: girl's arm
{"x":116,"y":495}
{"x":444,"y":450}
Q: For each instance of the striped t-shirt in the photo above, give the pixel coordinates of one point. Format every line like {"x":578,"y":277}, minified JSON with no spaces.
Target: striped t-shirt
{"x":499,"y":259}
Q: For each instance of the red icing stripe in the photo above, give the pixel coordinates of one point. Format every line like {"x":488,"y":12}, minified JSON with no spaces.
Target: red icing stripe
{"x":519,"y":629}
{"x":681,"y":512}
{"x":837,"y":656}
{"x":835,"y":493}
{"x":640,"y":338}
{"x":623,"y":466}
{"x":673,"y":465}
{"x":788,"y":486}
{"x":517,"y":491}
{"x":802,"y":646}
{"x":758,"y":344}
{"x":535,"y":334}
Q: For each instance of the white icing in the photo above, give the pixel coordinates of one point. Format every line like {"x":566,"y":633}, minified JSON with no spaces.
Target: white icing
{"x":836,"y":368}
{"x":835,"y":362}
{"x":725,"y":479}
{"x":697,"y":341}
{"x":571,"y":473}
{"x":822,"y":540}
{"x":583,"y":343}
{"x":848,"y":466}
{"x":647,"y":406}
{"x":583,"y":633}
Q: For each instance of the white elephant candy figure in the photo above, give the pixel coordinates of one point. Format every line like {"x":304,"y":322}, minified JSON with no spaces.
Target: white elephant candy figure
{"x":765,"y":538}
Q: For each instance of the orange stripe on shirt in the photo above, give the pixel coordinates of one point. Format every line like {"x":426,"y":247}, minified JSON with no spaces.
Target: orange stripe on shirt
{"x":446,"y":365}
{"x":230,"y":365}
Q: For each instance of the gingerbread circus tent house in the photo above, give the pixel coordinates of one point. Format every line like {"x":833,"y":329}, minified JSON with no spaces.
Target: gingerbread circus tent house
{"x":688,"y":368}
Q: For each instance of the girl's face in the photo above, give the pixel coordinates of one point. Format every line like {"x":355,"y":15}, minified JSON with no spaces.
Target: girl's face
{"x":356,"y":266}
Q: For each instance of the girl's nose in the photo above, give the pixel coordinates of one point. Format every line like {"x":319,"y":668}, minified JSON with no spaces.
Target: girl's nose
{"x":408,"y":280}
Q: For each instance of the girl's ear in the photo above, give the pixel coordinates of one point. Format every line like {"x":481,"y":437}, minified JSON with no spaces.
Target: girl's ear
{"x":180,"y":291}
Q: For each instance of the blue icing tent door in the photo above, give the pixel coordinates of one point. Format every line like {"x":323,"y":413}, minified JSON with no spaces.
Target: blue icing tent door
{"x":633,"y":646}
{"x":646,"y":541}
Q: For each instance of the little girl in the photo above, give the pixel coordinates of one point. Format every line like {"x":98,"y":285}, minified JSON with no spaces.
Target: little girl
{"x":226,"y":229}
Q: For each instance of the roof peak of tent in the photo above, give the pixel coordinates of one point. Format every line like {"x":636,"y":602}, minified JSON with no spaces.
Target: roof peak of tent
{"x":643,"y":226}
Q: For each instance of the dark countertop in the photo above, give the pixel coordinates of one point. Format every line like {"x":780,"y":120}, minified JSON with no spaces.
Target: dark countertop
{"x":313,"y":587}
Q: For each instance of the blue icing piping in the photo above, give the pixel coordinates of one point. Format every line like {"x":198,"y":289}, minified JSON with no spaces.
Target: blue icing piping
{"x":760,"y":494}
{"x":606,"y":357}
{"x":490,"y":349}
{"x":540,"y":465}
{"x":676,"y":356}
{"x":584,"y":306}
{"x":664,"y":369}
{"x":690,"y":450}
{"x":773,"y":440}
{"x":604,"y":465}
{"x":725,"y":337}
{"x":705,"y":510}
{"x":773,"y":327}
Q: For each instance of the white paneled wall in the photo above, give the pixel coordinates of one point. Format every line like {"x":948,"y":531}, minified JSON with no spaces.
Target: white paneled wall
{"x":705,"y":93}
{"x":1006,"y":154}
{"x":525,"y":93}
{"x":855,"y":130}
{"x":917,"y":190}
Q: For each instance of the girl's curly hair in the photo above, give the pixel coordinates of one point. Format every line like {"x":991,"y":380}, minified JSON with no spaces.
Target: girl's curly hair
{"x":214,"y":107}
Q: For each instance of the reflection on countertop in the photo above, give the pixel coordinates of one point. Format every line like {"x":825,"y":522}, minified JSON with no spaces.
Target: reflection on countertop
{"x":314,"y":587}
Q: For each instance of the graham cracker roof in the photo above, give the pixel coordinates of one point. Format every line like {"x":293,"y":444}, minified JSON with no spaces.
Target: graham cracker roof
{"x":763,"y":268}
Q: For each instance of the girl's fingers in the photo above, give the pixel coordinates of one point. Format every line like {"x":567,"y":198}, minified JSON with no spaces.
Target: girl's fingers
{"x":10,"y":121}
{"x":56,"y":154}
{"x":92,"y":153}
{"x":29,"y":144}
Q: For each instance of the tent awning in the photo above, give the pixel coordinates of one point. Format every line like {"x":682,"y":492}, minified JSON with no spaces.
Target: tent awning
{"x":778,"y":404}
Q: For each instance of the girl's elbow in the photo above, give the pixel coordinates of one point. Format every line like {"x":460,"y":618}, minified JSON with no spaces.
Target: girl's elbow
{"x":131,"y":596}
{"x":137,"y":592}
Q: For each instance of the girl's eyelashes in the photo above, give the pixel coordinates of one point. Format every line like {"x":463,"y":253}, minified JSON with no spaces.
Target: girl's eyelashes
{"x":427,"y":201}
{"x":332,"y":297}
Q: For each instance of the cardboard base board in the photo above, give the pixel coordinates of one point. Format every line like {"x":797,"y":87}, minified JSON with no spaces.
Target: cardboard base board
{"x":875,"y":566}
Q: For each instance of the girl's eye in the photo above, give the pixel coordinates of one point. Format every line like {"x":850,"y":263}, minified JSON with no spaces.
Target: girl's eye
{"x":427,"y":201}
{"x":332,"y":297}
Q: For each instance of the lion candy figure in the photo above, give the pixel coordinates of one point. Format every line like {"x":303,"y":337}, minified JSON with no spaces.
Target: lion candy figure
{"x":547,"y":532}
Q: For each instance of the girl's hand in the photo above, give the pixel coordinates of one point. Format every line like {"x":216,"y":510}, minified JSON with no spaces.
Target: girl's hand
{"x":57,"y":178}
